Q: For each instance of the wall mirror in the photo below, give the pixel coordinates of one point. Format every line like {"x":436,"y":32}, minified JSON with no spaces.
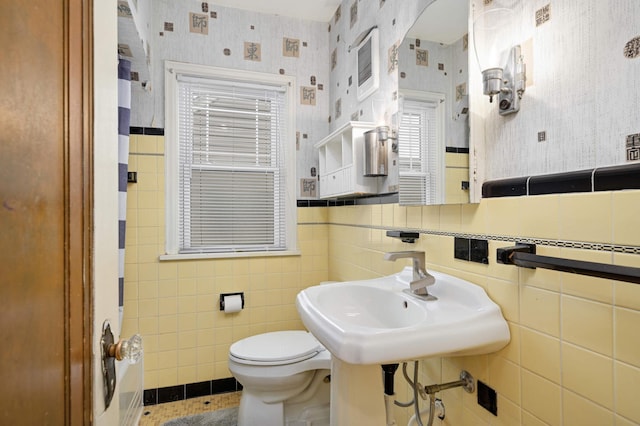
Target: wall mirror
{"x":433,"y":107}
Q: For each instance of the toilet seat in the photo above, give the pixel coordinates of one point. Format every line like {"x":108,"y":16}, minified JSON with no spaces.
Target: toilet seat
{"x":276,"y":348}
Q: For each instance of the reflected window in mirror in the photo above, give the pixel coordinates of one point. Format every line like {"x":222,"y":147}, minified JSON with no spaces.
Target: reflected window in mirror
{"x":433,"y":67}
{"x":420,"y":144}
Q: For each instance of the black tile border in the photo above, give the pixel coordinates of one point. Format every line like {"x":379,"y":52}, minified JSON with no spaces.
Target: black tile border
{"x":151,"y":131}
{"x":505,"y":187}
{"x":195,"y":390}
{"x":190,"y":390}
{"x":617,"y":178}
{"x":564,"y":183}
{"x":611,"y":178}
{"x":347,"y":201}
{"x":313,"y":203}
{"x":170,"y":394}
{"x":455,"y":150}
{"x":229,"y":384}
{"x":614,"y":178}
{"x":150,"y":397}
{"x":352,"y":201}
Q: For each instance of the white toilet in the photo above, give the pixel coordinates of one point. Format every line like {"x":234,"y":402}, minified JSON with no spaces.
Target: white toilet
{"x":285,"y":377}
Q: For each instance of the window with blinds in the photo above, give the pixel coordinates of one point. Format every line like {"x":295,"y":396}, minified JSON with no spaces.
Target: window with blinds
{"x":418,"y":156}
{"x":231,"y":169}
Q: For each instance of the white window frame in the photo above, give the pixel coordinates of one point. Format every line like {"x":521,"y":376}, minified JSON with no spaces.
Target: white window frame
{"x":172,"y":71}
{"x":439,"y":102}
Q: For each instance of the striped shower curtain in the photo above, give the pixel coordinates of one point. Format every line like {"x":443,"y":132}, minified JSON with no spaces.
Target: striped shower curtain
{"x":124,"y":120}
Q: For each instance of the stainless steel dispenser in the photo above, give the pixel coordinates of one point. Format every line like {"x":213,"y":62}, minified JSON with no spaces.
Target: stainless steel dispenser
{"x":375,"y":154}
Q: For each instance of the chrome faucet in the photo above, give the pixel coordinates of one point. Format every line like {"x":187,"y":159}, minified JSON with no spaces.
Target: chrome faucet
{"x":421,"y":278}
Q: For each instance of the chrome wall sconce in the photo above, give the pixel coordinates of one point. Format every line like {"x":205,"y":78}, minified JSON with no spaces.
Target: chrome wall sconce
{"x":376,"y":152}
{"x":383,"y":131}
{"x":384,"y":134}
{"x":502,"y":64}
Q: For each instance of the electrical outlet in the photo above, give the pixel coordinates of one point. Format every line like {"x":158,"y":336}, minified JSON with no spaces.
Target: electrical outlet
{"x":487,"y":398}
{"x":471,"y":250}
{"x":461,"y":248}
{"x":479,"y":251}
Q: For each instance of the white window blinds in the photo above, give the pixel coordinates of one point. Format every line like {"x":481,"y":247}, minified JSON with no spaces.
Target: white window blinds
{"x":417,"y":153}
{"x":231,"y":173}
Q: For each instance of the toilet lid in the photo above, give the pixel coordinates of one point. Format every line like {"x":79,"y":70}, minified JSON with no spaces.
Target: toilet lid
{"x":278,"y":347}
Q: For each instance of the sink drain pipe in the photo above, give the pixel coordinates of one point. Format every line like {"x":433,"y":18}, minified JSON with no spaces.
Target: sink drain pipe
{"x":466,"y":382}
{"x":389,"y":370}
{"x":417,"y":388}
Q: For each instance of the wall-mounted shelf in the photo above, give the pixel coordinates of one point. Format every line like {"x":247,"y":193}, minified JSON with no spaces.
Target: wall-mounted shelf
{"x":342,"y":162}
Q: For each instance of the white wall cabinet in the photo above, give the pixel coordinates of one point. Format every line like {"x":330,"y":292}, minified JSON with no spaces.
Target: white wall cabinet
{"x":341,"y":157}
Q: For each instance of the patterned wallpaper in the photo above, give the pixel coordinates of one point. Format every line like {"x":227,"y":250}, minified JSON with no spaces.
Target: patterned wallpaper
{"x":133,"y":43}
{"x":393,"y":18}
{"x":353,"y":17}
{"x":203,"y":33}
{"x":580,"y":109}
{"x":436,"y":67}
{"x":315,"y":53}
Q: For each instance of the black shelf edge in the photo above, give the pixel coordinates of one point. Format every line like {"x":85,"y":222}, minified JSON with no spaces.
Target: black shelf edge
{"x":505,"y":187}
{"x":613,"y":178}
{"x":151,"y":131}
{"x":617,"y":178}
{"x":561,"y":183}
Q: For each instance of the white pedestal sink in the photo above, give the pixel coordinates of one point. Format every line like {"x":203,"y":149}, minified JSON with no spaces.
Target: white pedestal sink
{"x":371,"y":322}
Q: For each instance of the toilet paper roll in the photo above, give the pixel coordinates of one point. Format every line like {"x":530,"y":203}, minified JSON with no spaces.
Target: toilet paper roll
{"x":232,"y":304}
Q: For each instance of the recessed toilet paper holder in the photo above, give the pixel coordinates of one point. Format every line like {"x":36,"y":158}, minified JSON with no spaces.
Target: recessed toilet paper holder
{"x":223,"y":295}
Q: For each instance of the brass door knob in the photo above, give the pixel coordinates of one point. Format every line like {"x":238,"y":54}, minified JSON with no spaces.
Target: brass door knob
{"x":131,"y":349}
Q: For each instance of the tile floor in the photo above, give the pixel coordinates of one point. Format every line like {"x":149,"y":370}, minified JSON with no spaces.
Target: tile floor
{"x":155,"y":415}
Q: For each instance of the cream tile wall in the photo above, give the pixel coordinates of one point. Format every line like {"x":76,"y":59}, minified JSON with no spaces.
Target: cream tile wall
{"x":175,"y":304}
{"x":574,"y":356}
{"x":456,"y":171}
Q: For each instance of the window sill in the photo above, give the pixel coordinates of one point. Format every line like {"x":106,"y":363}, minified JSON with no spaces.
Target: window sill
{"x":196,"y":256}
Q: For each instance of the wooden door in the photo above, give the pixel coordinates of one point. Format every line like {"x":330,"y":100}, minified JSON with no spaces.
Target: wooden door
{"x":45,"y":206}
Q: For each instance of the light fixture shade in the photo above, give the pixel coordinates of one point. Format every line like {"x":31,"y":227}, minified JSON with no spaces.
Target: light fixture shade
{"x":496,"y":34}
{"x":378,"y":110}
{"x":493,"y":36}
